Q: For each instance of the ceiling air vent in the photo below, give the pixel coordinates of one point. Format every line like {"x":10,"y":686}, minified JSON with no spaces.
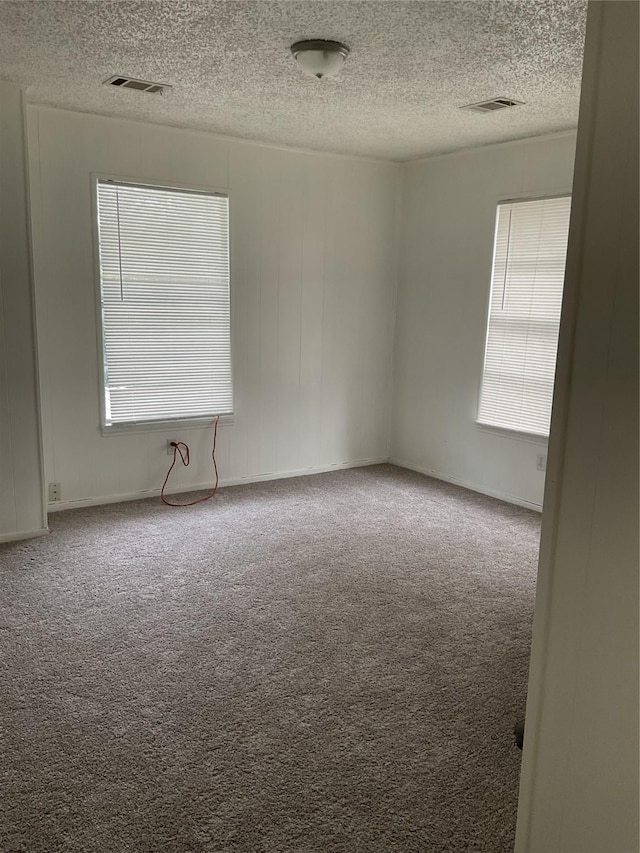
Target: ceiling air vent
{"x":492,"y":105}
{"x":139,"y":85}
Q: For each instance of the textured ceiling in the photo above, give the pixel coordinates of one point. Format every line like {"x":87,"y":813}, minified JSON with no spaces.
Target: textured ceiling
{"x":412,"y":64}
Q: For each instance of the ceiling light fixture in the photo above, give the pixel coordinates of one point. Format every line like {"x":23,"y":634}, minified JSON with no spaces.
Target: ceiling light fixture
{"x":320,"y":58}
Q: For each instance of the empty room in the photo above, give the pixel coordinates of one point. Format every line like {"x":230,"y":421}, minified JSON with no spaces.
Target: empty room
{"x":319,"y":426}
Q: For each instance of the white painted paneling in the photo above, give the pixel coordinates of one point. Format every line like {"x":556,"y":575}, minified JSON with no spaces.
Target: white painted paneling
{"x":579,"y":785}
{"x":313,"y":258}
{"x":21,"y":490}
{"x":446,"y":255}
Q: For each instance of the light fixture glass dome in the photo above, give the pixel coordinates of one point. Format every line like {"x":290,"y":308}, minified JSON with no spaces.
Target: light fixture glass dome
{"x":320,"y":58}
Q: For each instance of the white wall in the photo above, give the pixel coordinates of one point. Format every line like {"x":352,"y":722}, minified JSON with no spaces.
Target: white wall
{"x":21,"y":505}
{"x":579,"y":784}
{"x":313,"y":259}
{"x":447,"y":247}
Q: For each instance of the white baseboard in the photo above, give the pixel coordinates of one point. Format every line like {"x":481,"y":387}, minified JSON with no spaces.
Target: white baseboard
{"x":474,"y":487}
{"x":23,"y":534}
{"x":233,"y":481}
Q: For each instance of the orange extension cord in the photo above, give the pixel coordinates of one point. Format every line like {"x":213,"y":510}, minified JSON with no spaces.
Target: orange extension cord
{"x":185,"y":457}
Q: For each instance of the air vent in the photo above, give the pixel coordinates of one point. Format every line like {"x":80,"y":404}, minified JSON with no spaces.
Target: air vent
{"x":492,"y":105}
{"x":139,"y":85}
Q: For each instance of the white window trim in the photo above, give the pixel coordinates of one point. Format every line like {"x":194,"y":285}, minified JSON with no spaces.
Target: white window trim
{"x":165,"y":426}
{"x":516,"y":434}
{"x":506,"y":198}
{"x":108,"y":429}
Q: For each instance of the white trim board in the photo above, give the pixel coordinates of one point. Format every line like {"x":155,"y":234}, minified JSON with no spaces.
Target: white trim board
{"x":19,"y":535}
{"x":474,"y":487}
{"x":237,"y":481}
{"x":218,"y":137}
{"x":540,"y":137}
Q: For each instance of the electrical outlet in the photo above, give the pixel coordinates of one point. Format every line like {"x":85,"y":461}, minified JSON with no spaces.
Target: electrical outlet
{"x":170,"y":444}
{"x":541,"y":462}
{"x":54,"y":492}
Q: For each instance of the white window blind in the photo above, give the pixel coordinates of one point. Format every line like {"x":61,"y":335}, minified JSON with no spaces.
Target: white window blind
{"x":164,"y":278}
{"x":524,"y":314}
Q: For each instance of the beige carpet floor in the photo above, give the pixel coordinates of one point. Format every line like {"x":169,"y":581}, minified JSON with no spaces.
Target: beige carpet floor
{"x":330,"y":664}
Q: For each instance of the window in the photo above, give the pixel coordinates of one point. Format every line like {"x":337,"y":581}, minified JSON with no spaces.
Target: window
{"x":164,"y":283}
{"x":524,"y":314}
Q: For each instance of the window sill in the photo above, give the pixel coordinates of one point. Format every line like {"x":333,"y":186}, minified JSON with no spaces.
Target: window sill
{"x":518,"y":435}
{"x":175,"y":425}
